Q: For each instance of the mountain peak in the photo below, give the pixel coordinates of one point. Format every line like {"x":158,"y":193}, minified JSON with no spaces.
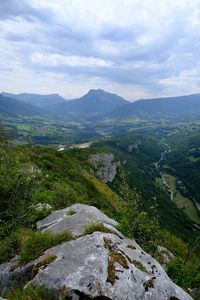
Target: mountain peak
{"x":96,"y":91}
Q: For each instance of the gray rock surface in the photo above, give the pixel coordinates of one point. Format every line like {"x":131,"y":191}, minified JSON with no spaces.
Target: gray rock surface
{"x":13,"y":275}
{"x":132,"y":147}
{"x":83,"y":265}
{"x":96,"y":265}
{"x":105,"y":166}
{"x":74,"y":218}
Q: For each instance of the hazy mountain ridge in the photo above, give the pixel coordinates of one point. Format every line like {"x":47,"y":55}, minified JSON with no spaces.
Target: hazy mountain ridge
{"x":11,"y":106}
{"x":37,"y":99}
{"x":94,"y":103}
{"x":171,"y":106}
{"x":100,"y":104}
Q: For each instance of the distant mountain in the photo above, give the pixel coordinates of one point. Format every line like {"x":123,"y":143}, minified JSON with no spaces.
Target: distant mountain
{"x":10,"y":107}
{"x":180,"y":107}
{"x":94,"y":103}
{"x":101,"y":104}
{"x":37,"y":100}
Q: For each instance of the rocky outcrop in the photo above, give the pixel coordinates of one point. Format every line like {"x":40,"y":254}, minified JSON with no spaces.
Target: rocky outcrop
{"x":133,"y":147}
{"x":103,"y":264}
{"x":75,"y":219}
{"x":105,"y":166}
{"x":14,"y":275}
{"x":94,"y":266}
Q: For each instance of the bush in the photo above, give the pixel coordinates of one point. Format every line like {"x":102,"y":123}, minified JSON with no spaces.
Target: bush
{"x":185,"y":275}
{"x":9,"y":246}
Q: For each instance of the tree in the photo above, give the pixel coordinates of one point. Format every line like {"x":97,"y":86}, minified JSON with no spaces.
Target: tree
{"x":138,"y":224}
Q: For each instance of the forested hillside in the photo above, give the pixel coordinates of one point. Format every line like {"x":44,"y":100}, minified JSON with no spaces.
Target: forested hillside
{"x":33,"y":177}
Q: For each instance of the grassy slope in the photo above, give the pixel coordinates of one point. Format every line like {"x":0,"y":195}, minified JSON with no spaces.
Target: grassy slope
{"x":182,"y":202}
{"x":63,"y":178}
{"x":141,"y":175}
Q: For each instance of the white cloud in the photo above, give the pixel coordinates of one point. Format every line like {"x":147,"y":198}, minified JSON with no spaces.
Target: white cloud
{"x":139,"y":48}
{"x":72,"y":61}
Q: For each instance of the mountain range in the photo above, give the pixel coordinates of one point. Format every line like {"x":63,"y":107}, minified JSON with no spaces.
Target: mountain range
{"x":11,"y":107}
{"x":94,"y":103}
{"x":36,"y":99}
{"x":99,"y":104}
{"x":181,"y":106}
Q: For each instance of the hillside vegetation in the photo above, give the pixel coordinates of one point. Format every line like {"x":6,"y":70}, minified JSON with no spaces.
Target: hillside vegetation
{"x":32,"y":174}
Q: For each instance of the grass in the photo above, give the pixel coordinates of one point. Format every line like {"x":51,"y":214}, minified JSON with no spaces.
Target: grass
{"x":159,"y":181}
{"x":113,"y":202}
{"x":38,"y":242}
{"x":9,"y":247}
{"x":97,"y":227}
{"x":114,"y":257}
{"x":31,"y":293}
{"x":43,"y":263}
{"x":194,"y":159}
{"x":30,"y":244}
{"x":182,"y":202}
{"x":139,"y":265}
{"x":131,"y":247}
{"x":70,"y":212}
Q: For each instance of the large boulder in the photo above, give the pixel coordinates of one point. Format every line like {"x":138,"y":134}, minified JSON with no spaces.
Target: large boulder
{"x":14,"y":275}
{"x":93,"y":266}
{"x":102,"y":264}
{"x":75,"y":219}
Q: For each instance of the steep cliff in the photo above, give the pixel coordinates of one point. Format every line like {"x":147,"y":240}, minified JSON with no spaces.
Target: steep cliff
{"x":105,"y":166}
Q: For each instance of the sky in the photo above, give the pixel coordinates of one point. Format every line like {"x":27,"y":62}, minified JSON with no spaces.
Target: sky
{"x":137,"y":49}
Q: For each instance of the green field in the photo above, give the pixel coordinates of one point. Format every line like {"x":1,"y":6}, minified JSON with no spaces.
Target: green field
{"x":159,"y":181}
{"x":182,"y":202}
{"x":194,"y":159}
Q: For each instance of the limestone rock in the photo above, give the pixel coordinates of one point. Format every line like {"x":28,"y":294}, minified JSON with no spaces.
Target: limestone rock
{"x":75,"y":219}
{"x":14,"y":275}
{"x":133,"y":147}
{"x":96,"y":266}
{"x":103,"y":264}
{"x":105,"y":166}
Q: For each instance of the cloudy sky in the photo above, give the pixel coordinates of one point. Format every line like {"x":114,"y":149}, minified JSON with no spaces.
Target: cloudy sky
{"x":138,"y":49}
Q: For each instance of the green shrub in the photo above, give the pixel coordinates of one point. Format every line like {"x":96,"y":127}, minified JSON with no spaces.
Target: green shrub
{"x":185,"y":275}
{"x":10,"y":246}
{"x":43,"y":195}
